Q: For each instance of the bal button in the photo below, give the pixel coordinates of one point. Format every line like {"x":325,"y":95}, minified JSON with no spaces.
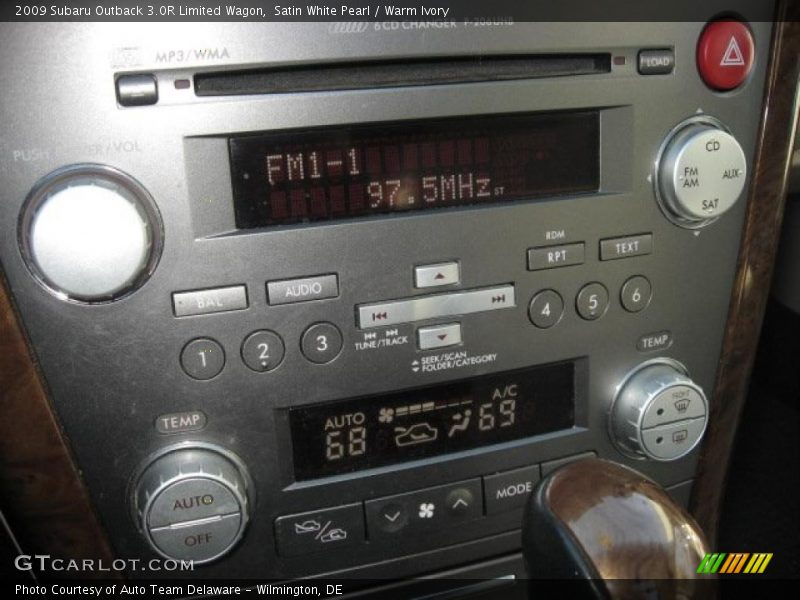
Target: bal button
{"x":725,"y":54}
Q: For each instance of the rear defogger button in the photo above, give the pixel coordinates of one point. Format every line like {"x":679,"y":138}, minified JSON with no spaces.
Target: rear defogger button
{"x":410,"y":310}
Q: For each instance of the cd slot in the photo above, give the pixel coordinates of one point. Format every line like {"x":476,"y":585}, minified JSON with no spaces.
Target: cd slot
{"x":381,"y":74}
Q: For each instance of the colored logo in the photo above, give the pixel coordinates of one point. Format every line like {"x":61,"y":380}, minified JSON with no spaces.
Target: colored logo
{"x":734,"y":563}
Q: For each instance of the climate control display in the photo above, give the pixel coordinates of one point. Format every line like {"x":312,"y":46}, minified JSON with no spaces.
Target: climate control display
{"x":351,"y":435}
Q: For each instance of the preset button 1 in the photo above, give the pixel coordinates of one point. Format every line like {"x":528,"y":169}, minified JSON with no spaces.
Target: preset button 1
{"x":202,"y":359}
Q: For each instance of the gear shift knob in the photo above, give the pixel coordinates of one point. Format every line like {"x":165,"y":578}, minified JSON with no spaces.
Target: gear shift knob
{"x":616,"y":530}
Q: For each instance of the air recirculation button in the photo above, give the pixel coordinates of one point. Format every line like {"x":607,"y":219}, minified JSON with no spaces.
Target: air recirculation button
{"x":192,"y":503}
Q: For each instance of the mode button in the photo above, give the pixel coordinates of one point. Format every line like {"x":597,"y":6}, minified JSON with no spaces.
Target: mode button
{"x":509,"y":490}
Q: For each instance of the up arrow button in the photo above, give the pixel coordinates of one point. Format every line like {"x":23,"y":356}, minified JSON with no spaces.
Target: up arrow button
{"x":436,"y":275}
{"x":459,"y":500}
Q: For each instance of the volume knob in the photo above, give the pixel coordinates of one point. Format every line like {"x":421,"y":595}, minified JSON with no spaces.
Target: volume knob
{"x":700,"y":172}
{"x":192,"y":503}
{"x":90,"y":233}
{"x":658,"y":412}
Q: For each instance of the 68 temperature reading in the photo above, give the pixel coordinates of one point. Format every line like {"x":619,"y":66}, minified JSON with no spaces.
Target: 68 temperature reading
{"x":345,"y":435}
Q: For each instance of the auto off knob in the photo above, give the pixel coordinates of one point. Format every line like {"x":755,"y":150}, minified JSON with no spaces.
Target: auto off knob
{"x":700,"y":172}
{"x":90,"y":233}
{"x":658,"y":412}
{"x":192,"y":502}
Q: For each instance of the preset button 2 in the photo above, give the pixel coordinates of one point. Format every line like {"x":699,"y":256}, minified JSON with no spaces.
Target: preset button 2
{"x":263,"y":351}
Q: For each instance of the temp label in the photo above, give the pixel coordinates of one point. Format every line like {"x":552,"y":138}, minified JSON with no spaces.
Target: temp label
{"x":450,"y":360}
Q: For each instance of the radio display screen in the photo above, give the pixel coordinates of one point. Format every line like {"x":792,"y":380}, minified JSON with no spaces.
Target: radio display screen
{"x":351,"y":435}
{"x":343,"y":173}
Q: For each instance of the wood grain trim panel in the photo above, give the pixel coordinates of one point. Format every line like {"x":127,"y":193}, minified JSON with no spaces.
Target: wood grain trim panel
{"x":754,"y":271}
{"x":41,"y":491}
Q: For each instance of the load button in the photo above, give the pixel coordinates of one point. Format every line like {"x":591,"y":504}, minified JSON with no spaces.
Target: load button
{"x":725,"y":54}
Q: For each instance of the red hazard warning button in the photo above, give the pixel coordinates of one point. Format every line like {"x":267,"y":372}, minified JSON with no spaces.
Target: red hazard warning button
{"x":725,"y":54}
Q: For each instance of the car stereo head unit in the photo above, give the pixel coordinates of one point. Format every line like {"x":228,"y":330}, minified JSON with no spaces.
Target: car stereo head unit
{"x":336,"y":174}
{"x":333,"y":299}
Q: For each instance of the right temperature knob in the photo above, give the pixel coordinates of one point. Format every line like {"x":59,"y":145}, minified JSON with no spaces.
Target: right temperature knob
{"x":700,"y":172}
{"x":659,"y":412}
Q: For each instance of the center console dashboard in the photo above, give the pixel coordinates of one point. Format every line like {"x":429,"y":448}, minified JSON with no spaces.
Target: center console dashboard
{"x":332,"y":298}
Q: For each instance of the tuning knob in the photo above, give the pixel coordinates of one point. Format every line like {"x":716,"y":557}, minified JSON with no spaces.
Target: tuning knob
{"x":658,"y":412}
{"x":192,"y":503}
{"x":90,"y":233}
{"x":700,"y":172}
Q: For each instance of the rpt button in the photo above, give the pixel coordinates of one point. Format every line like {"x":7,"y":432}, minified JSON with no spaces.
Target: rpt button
{"x":550,"y":257}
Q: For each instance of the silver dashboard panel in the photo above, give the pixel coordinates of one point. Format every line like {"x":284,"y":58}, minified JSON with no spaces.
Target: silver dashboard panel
{"x":112,"y":369}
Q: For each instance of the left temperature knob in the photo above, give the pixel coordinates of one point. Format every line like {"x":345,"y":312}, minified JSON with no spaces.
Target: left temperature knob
{"x":192,"y":502}
{"x":90,"y":233}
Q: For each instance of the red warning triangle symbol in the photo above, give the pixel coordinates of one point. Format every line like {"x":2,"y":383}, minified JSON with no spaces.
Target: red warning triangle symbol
{"x":733,"y":55}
